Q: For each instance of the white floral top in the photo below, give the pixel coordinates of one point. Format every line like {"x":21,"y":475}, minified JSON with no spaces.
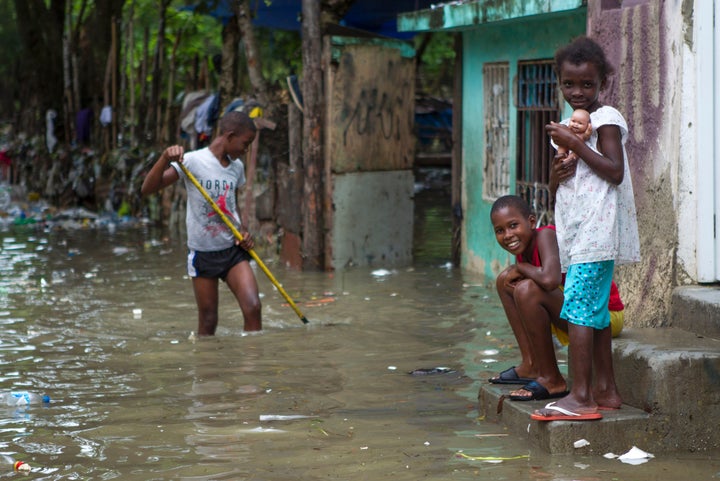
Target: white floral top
{"x":596,"y":220}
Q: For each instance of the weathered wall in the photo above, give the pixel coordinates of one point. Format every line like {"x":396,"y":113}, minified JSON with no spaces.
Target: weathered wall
{"x":644,"y":42}
{"x":372,"y":107}
{"x":370,"y":149}
{"x":373,"y":223}
{"x":507,"y":42}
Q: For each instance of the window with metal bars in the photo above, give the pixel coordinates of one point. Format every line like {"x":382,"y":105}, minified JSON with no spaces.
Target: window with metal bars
{"x":496,"y":102}
{"x":537,"y":105}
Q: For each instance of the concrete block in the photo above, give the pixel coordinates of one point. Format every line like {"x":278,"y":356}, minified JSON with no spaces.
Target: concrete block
{"x":669,"y":380}
{"x":674,"y":375}
{"x":696,"y":309}
{"x":372,"y":219}
{"x":617,"y":432}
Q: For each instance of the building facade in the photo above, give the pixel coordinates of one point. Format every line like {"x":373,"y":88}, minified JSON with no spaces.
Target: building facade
{"x":665,"y":54}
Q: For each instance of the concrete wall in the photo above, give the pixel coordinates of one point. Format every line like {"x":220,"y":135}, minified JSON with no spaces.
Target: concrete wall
{"x":370,"y":148}
{"x":529,"y":39}
{"x":650,"y":45}
{"x":373,"y":223}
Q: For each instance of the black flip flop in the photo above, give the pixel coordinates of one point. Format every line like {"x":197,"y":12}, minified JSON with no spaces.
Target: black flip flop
{"x":510,"y":376}
{"x":538,"y":393}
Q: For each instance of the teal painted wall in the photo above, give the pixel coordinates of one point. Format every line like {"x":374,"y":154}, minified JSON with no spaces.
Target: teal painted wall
{"x":511,"y":41}
{"x":470,"y":14}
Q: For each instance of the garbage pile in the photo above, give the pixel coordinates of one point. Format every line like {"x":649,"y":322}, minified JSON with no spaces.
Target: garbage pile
{"x":34,"y":211}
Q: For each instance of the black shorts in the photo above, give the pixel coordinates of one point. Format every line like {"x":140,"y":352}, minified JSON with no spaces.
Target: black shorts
{"x":215,"y":264}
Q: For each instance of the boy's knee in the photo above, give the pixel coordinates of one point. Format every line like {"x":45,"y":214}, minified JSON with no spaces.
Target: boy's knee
{"x":252,"y":305}
{"x":526,"y":289}
{"x":500,"y":280}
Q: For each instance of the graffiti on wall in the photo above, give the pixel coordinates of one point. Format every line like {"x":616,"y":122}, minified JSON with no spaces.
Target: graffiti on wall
{"x":372,"y":110}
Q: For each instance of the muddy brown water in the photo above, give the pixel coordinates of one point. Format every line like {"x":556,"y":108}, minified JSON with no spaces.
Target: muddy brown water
{"x":134,"y":397}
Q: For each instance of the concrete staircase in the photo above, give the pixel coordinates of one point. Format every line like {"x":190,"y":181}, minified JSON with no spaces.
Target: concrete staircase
{"x":669,"y":379}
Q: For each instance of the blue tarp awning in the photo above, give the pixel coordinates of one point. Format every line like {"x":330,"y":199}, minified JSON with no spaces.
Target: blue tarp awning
{"x":376,"y":16}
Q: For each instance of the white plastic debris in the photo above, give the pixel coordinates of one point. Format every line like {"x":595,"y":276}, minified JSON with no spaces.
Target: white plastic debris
{"x":392,"y":368}
{"x":381,"y":272}
{"x":261,"y":429}
{"x":634,"y":456}
{"x":581,"y":443}
{"x":282,"y":417}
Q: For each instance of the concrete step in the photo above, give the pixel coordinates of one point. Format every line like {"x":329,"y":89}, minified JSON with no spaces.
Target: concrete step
{"x":696,"y":309}
{"x":670,"y":382}
{"x":617,"y":432}
{"x":674,"y":375}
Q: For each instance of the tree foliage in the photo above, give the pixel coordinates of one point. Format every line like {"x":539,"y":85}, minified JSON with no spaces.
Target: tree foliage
{"x":142,"y":58}
{"x":61,"y":55}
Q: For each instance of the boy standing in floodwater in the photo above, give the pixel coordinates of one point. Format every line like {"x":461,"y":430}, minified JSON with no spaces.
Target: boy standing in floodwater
{"x":214,"y":252}
{"x":596,"y":227}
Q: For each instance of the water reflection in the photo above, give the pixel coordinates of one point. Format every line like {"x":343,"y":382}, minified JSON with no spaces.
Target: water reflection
{"x":136,"y":398}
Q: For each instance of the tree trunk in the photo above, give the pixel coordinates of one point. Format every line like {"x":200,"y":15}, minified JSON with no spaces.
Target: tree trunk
{"x":229,"y":69}
{"x":142,"y":80}
{"x":165,"y":135}
{"x":40,"y":27}
{"x":154,"y":101}
{"x":252,"y":54}
{"x":313,"y":165}
{"x":114,"y":86}
{"x":68,"y":101}
{"x":129,"y":83}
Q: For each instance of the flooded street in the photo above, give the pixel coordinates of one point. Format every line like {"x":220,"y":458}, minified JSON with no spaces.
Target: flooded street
{"x":101,"y":322}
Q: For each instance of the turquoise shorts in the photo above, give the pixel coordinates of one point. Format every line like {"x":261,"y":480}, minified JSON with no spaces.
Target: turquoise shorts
{"x":587,"y":292}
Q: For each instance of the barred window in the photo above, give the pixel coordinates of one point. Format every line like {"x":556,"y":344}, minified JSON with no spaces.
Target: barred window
{"x":496,"y":105}
{"x":537,"y":105}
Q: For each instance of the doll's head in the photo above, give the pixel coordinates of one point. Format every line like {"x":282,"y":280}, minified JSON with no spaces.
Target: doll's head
{"x":580,"y":123}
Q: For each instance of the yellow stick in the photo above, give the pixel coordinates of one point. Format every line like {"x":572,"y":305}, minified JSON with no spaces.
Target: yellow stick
{"x":239,"y":236}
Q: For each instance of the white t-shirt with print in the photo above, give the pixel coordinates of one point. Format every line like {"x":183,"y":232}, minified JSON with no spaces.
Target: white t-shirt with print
{"x":596,"y":220}
{"x":206,"y":231}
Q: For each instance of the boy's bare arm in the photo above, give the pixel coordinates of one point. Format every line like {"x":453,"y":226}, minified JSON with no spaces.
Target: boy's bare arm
{"x":161,"y":174}
{"x":548,"y":275}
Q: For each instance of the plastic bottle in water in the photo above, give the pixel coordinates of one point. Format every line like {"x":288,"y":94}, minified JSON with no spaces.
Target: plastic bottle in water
{"x":17,"y":465}
{"x":22,"y":398}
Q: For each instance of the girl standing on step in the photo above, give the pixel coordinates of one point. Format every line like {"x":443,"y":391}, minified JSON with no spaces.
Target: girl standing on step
{"x":596,"y":228}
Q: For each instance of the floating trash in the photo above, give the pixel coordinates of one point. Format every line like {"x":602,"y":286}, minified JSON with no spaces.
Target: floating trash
{"x":262,"y":430}
{"x":634,"y":456}
{"x":581,"y":443}
{"x":491,"y":459}
{"x":431,"y":370}
{"x":283,"y":417}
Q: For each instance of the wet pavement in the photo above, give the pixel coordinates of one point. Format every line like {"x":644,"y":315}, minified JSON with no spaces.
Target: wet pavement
{"x":101,"y":320}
